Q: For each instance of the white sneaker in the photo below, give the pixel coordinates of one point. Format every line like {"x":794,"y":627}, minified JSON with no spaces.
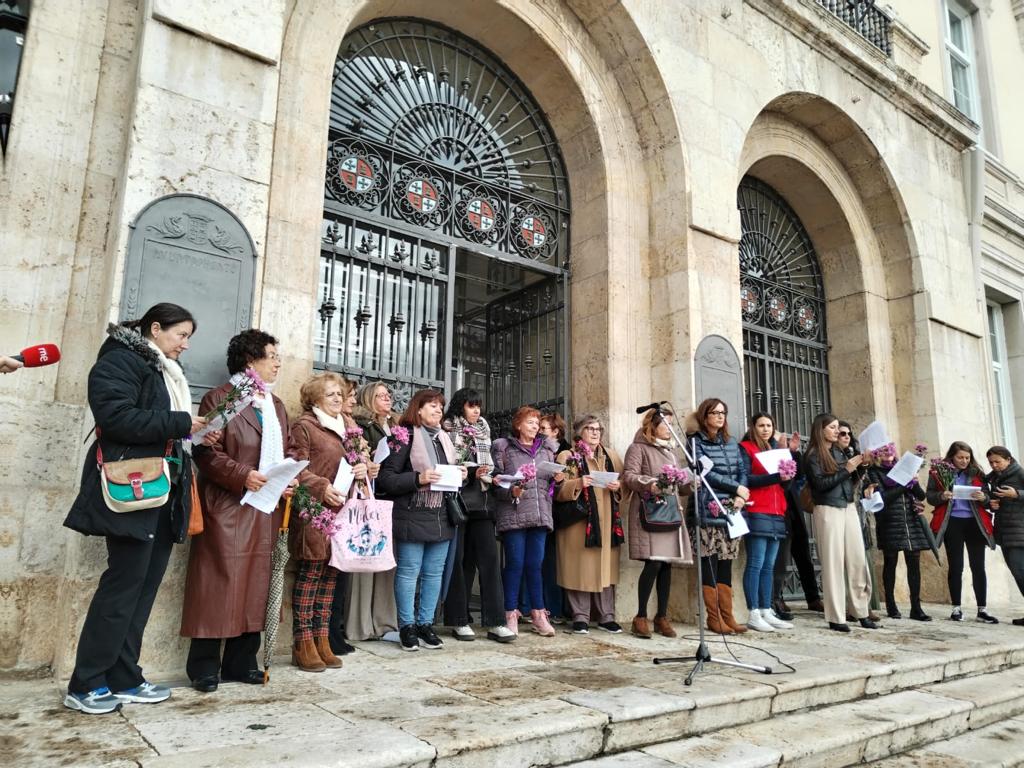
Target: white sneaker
{"x":769,"y":616}
{"x":501,"y":634}
{"x":465,"y":632}
{"x":757,"y":622}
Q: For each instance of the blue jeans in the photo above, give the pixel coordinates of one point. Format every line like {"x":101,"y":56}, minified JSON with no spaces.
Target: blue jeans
{"x":524,"y":554}
{"x":760,"y":570}
{"x":422,"y":562}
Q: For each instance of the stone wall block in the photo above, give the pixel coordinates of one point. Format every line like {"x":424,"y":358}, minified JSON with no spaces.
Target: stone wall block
{"x":255,"y":30}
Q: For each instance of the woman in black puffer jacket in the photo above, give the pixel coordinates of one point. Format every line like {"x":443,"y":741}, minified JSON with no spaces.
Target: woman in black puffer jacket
{"x":899,"y":527}
{"x":141,"y":402}
{"x":1006,"y":489}
{"x":728,"y":480}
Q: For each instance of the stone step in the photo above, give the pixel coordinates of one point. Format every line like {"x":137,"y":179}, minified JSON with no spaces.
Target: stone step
{"x":927,"y":723}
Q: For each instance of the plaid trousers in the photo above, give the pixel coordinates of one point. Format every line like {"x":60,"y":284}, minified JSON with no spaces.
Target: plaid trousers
{"x":312,"y":598}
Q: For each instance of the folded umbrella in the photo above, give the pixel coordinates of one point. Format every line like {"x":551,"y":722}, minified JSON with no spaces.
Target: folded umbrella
{"x":278,"y":560}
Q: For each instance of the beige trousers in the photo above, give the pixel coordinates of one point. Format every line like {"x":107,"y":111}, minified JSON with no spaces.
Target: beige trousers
{"x":841,"y":552}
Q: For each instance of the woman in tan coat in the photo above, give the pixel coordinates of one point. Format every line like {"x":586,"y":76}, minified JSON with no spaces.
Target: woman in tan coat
{"x":588,"y":529}
{"x":650,"y":452}
{"x":228,"y":575}
{"x":318,"y":436}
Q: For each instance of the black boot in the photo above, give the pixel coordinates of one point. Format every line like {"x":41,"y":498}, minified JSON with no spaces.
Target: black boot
{"x":916,"y":613}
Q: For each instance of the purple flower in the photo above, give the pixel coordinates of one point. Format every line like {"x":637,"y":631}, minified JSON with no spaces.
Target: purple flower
{"x":585,"y":449}
{"x":354,"y":432}
{"x":401,"y":434}
{"x":921,"y":449}
{"x":787,"y":469}
{"x":529,"y":472}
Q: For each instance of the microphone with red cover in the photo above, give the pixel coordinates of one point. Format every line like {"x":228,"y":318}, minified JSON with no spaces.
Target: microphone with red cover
{"x":39,"y":355}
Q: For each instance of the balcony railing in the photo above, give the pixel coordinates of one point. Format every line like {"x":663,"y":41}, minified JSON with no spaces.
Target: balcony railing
{"x":864,"y":18}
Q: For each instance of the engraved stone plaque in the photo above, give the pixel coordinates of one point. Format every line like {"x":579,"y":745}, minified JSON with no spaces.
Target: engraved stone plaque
{"x":718,"y":373}
{"x":193,"y":251}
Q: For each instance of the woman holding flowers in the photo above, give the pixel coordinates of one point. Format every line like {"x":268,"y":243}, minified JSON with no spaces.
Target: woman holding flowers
{"x":1006,"y":489}
{"x":370,"y":611}
{"x":321,"y":436}
{"x":420,"y":522}
{"x":590,"y":531}
{"x":899,"y":527}
{"x":728,"y":481}
{"x":960,"y":523}
{"x":477,"y":547}
{"x":766,"y":518}
{"x":652,"y":473}
{"x":523,"y":515}
{"x":228,"y":575}
{"x":836,"y":525}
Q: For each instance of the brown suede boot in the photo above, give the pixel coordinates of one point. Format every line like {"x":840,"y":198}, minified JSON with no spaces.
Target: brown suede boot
{"x":715,"y":623}
{"x":306,"y":658}
{"x":663,"y":627}
{"x":323,"y":648}
{"x":641,"y":627}
{"x":725,"y":608}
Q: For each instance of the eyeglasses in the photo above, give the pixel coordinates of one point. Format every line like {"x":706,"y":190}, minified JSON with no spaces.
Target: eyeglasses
{"x":845,"y":434}
{"x":593,"y":428}
{"x":383,"y":395}
{"x":718,"y":413}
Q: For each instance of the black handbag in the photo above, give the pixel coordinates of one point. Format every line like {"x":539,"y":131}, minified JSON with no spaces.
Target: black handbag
{"x":660,"y":513}
{"x":568,"y":513}
{"x":456,"y":508}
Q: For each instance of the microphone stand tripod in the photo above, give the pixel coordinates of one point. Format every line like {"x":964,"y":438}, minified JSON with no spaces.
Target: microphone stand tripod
{"x":703,"y":655}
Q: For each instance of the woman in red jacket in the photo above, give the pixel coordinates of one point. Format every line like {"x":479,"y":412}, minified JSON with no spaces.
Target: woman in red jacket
{"x":962,"y":523}
{"x":766,"y":518}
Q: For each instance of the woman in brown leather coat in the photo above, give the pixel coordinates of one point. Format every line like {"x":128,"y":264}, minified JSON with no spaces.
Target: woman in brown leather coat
{"x":229,"y":564}
{"x":317,"y":436}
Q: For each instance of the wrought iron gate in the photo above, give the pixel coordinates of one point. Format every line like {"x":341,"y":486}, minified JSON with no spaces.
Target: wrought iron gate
{"x":785,"y":349}
{"x":433,"y":146}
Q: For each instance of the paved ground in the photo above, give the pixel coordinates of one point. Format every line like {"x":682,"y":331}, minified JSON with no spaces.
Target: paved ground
{"x":387,"y":707}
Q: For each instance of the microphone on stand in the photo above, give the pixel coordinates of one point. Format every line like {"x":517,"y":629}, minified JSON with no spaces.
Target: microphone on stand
{"x":655,"y":406}
{"x":39,"y":355}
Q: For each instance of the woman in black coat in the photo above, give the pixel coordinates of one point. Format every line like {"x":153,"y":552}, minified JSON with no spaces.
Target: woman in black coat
{"x":1006,"y":489}
{"x":141,"y":402}
{"x":420,"y":523}
{"x":899,"y":527}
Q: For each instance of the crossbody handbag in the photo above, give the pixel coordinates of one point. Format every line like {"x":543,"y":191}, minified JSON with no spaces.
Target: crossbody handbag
{"x":132,"y":485}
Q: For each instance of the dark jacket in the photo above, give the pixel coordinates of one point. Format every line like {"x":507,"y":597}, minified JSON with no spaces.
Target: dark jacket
{"x":1009,"y":522}
{"x":132,"y":409}
{"x":410,"y":520}
{"x":897,"y":526}
{"x":830,"y":490}
{"x":940,"y":515}
{"x":726,"y":476}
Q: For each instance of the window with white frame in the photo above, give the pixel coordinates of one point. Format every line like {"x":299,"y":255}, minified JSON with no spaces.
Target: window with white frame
{"x":960,"y":52}
{"x":1003,"y":404}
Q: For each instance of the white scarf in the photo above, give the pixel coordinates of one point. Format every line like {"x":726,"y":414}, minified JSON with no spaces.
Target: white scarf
{"x":174,"y":380}
{"x":334,"y":423}
{"x":271,"y":442}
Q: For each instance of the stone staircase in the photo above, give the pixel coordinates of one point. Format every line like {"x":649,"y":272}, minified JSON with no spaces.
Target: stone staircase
{"x":938,"y":695}
{"x":948,"y":711}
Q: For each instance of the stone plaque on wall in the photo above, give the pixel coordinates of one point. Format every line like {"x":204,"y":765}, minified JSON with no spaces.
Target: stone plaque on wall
{"x":718,"y":373}
{"x":192,"y":251}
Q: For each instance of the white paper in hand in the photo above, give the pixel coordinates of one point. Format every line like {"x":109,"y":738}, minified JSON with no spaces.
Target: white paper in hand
{"x":343,"y":480}
{"x":873,"y":436}
{"x":278,"y":476}
{"x":601,"y":479}
{"x":770,"y":460}
{"x":382,"y":451}
{"x":451,"y":478}
{"x":737,"y":525}
{"x":506,"y":481}
{"x":965,"y":492}
{"x":872,"y":504}
{"x":549,"y":468}
{"x":906,"y":469}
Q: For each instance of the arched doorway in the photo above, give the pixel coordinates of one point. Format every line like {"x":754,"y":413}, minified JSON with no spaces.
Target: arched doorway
{"x":444,"y":242}
{"x":782,"y":297}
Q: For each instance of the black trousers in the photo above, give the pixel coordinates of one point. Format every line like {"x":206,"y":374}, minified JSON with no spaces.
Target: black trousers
{"x":476,"y":552}
{"x":963,"y":532}
{"x":336,"y":635}
{"x":796,"y":545}
{"x":239,"y":658}
{"x":111,"y":639}
{"x":913,"y":562}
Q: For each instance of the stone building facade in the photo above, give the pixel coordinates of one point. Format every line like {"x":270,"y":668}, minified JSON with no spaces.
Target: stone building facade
{"x":889,"y":137}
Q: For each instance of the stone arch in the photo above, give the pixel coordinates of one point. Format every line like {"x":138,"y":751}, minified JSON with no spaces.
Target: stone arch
{"x":611,"y":114}
{"x":831,"y":174}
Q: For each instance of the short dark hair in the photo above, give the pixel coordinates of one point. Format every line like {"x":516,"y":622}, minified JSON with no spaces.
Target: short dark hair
{"x":164,"y":313}
{"x":247,"y":347}
{"x":554,"y":418}
{"x":1000,"y":451}
{"x":411,"y":417}
{"x":463,"y":397}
